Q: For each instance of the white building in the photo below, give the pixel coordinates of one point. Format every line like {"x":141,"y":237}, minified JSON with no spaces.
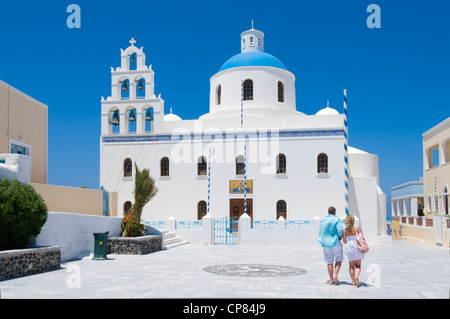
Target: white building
{"x":292,"y":163}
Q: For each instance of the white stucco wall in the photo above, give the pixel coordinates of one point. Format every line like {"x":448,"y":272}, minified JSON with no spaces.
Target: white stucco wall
{"x":74,"y":233}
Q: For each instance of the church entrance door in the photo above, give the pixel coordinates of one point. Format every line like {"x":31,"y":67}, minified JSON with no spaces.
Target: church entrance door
{"x":237,"y":207}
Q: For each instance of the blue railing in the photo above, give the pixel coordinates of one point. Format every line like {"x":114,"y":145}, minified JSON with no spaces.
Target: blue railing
{"x":198,"y":224}
{"x":265,"y":224}
{"x":156,"y":225}
{"x":299,"y":224}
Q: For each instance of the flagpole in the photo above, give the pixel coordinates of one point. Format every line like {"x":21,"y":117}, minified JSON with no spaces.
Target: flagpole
{"x":346,"y":152}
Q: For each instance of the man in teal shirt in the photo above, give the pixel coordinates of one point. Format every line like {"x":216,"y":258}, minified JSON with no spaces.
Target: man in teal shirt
{"x":331,"y":231}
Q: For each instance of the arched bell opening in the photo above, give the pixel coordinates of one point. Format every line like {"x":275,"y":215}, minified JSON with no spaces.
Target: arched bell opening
{"x":140,"y":88}
{"x":114,"y":121}
{"x":125,"y":89}
{"x":148,"y":118}
{"x":131,"y":118}
{"x":133,"y":61}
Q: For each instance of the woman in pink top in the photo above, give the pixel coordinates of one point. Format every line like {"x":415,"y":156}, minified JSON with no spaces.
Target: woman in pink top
{"x":353,"y":254}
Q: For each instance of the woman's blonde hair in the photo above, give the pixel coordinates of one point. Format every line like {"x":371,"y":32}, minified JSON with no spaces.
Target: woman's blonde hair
{"x":350,"y":222}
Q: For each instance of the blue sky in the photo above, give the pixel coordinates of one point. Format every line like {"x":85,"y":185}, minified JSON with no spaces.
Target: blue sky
{"x":397,"y":77}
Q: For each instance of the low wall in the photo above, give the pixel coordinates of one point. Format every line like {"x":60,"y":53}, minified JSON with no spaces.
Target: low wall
{"x":22,"y":262}
{"x":134,"y":245}
{"x":75,"y":200}
{"x":280,"y":232}
{"x":74,"y":233}
{"x":421,"y":229}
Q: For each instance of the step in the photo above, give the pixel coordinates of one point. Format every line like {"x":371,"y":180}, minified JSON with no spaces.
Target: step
{"x":171,"y":240}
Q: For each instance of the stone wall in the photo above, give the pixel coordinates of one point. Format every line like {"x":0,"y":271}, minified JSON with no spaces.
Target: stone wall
{"x":23,"y":262}
{"x":134,"y":245}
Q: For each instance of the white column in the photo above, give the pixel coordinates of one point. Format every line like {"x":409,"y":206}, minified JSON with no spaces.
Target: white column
{"x":139,"y":120}
{"x":123,"y":122}
{"x":414,"y":206}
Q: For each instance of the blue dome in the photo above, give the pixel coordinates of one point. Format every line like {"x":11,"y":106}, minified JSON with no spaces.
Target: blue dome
{"x":252,"y":58}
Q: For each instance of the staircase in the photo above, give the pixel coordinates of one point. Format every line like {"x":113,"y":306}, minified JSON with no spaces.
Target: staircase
{"x":171,"y":240}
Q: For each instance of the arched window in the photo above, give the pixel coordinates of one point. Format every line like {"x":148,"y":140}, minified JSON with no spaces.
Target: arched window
{"x":133,"y":61}
{"x":201,"y":209}
{"x":280,"y":91}
{"x":240,"y":165}
{"x":281,"y":164}
{"x":125,"y":89}
{"x":140,"y":88}
{"x":281,"y":209}
{"x":202,"y":166}
{"x":127,"y":208}
{"x":322,"y":163}
{"x":219,"y":94}
{"x":164,"y":166}
{"x":248,"y":90}
{"x":127,"y":167}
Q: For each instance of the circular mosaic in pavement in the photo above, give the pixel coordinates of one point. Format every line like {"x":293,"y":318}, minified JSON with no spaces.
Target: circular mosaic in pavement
{"x":254,"y":270}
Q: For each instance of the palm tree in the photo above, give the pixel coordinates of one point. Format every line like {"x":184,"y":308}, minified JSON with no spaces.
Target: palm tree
{"x":144,"y":190}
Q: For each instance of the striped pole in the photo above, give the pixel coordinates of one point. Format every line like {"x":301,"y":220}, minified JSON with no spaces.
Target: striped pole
{"x":209,"y":177}
{"x":245,"y":178}
{"x":435,"y":196}
{"x":242,"y":103}
{"x":346,"y":151}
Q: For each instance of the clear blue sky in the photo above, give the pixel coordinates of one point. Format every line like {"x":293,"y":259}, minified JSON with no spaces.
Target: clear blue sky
{"x":398,"y":76}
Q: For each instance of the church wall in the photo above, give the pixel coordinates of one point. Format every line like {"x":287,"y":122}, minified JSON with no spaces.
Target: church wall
{"x":306,"y":193}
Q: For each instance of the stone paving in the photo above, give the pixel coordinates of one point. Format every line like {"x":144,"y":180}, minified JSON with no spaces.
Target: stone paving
{"x":397,"y":270}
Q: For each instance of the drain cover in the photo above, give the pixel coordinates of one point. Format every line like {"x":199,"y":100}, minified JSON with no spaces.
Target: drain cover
{"x":254,"y":270}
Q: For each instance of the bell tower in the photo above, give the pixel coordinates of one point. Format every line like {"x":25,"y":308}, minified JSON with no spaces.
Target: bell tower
{"x":133,"y":107}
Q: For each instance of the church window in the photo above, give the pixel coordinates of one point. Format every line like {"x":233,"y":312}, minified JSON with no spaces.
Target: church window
{"x":251,"y":40}
{"x":133,"y":61}
{"x":240,"y":165}
{"x":201,"y":166}
{"x":201,"y":209}
{"x":127,"y":167}
{"x":281,"y":164}
{"x":219,"y":94}
{"x":280,"y":91}
{"x":281,"y":209}
{"x":322,"y":163}
{"x":164,"y":166}
{"x":248,"y":90}
{"x":127,"y":208}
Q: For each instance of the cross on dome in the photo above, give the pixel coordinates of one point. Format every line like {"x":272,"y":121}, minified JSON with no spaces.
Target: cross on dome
{"x":132,"y":41}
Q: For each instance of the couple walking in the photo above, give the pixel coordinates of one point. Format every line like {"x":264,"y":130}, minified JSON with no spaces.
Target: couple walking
{"x":332,"y":230}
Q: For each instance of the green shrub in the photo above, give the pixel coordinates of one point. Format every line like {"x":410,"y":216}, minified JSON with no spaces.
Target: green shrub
{"x":23,"y":212}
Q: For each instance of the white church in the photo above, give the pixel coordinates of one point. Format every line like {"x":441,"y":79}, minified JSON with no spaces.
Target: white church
{"x":253,"y":150}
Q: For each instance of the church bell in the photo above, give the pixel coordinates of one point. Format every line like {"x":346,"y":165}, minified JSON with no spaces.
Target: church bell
{"x":141,"y":86}
{"x":115,"y":119}
{"x":148,"y":116}
{"x":132,"y":117}
{"x":125,"y":86}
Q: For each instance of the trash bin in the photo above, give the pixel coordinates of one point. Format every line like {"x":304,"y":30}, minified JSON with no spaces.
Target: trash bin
{"x":100,"y":246}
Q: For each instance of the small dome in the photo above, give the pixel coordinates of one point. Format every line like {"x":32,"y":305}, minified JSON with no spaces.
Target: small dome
{"x":327,"y":111}
{"x":171,"y":117}
{"x":252,"y":58}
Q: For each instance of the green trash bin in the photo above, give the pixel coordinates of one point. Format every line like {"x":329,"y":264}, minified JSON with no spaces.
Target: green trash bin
{"x":100,"y":246}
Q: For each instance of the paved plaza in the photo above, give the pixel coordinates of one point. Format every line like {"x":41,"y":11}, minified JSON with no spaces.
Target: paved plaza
{"x":399,"y":270}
